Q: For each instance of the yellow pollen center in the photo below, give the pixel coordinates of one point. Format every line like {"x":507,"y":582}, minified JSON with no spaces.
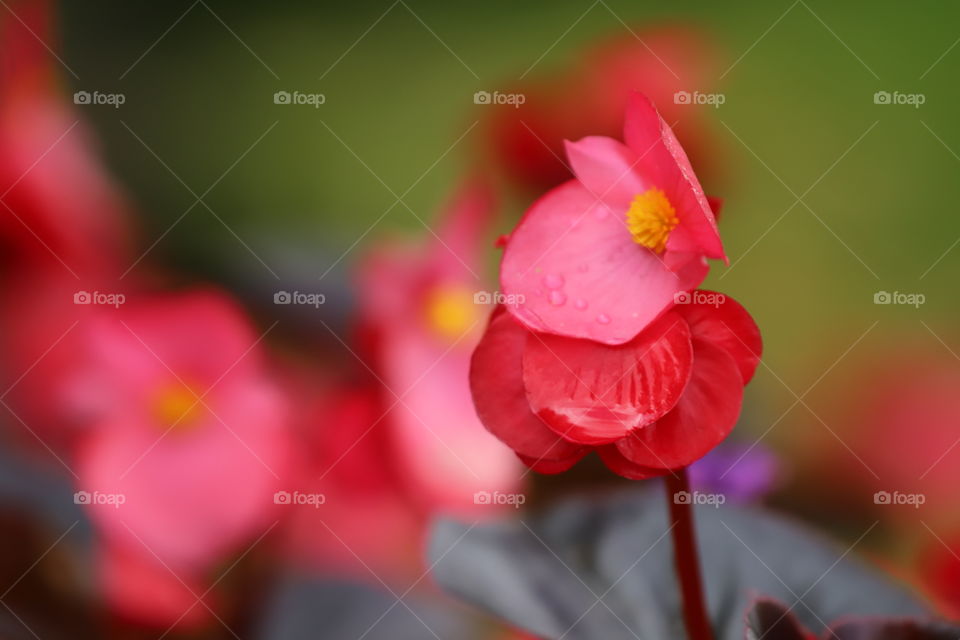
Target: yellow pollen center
{"x":176,"y":406}
{"x":650,"y":219}
{"x":450,"y":311}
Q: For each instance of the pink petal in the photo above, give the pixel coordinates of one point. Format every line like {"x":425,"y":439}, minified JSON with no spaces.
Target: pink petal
{"x":595,"y":394}
{"x":664,"y":164}
{"x":607,"y":168}
{"x":573,"y":269}
{"x":704,"y":416}
{"x":496,"y":380}
{"x":723,"y":322}
{"x":442,"y":448}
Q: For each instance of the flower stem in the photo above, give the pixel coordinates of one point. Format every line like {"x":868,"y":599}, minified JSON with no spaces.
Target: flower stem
{"x":687,"y":560}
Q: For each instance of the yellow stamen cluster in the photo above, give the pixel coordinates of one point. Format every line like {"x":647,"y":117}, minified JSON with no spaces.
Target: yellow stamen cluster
{"x":651,"y":218}
{"x":176,"y":406}
{"x":450,"y":311}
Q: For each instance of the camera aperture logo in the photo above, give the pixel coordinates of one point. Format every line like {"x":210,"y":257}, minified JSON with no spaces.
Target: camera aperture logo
{"x":299,"y":498}
{"x":697,"y":497}
{"x":699,"y":297}
{"x":711,"y":99}
{"x":299,"y":297}
{"x":912,"y":99}
{"x":897,"y":297}
{"x":513,"y":99}
{"x":499,"y":498}
{"x":496,"y":297}
{"x":99,"y":297}
{"x":115,"y":100}
{"x":299,"y":98}
{"x":97,"y":498}
{"x":914,"y":500}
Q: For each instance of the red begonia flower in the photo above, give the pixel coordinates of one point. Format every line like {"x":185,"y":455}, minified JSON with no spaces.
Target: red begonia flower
{"x":664,"y":61}
{"x":602,"y":256}
{"x":656,"y":403}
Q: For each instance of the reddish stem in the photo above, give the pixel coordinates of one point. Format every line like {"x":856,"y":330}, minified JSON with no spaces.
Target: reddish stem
{"x":687,"y":560}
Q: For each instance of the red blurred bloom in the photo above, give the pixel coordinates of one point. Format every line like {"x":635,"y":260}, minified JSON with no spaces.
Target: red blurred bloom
{"x":939,"y":570}
{"x":64,"y":227}
{"x":601,"y":256}
{"x":184,"y":425}
{"x":651,"y":405}
{"x":58,"y":206}
{"x":345,"y":456}
{"x":527,"y":140}
{"x":420,"y":308}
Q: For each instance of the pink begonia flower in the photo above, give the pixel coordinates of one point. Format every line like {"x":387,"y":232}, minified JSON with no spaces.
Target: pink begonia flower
{"x":602,"y":256}
{"x":420,"y":305}
{"x":185,"y":426}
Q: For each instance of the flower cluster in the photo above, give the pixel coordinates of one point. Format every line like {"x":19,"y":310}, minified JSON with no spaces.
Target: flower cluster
{"x":605,"y":347}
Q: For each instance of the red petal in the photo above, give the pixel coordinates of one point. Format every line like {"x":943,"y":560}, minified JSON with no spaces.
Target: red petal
{"x":543,"y":465}
{"x":617,"y":463}
{"x":722,"y":321}
{"x":496,"y":381}
{"x":704,"y":416}
{"x":594,"y":393}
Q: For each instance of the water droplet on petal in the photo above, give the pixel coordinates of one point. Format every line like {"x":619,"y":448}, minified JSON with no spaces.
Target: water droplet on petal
{"x":603,"y":318}
{"x":557,"y":298}
{"x":580,"y":304}
{"x":553,"y":281}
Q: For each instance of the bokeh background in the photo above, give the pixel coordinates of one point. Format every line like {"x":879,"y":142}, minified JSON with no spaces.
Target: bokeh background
{"x":831,"y":198}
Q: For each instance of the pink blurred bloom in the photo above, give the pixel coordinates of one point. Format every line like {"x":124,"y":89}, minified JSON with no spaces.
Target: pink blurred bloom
{"x":185,"y":426}
{"x":601,"y":256}
{"x":418,"y":303}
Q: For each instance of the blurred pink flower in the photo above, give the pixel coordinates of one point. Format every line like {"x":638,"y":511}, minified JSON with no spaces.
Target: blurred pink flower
{"x":589,"y":98}
{"x":899,"y":447}
{"x":187,"y":429}
{"x":424,"y":308}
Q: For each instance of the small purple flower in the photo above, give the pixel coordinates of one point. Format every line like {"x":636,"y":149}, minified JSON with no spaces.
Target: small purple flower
{"x":739,"y":471}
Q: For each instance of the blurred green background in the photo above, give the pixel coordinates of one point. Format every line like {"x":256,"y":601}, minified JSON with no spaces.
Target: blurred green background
{"x":878,"y":182}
